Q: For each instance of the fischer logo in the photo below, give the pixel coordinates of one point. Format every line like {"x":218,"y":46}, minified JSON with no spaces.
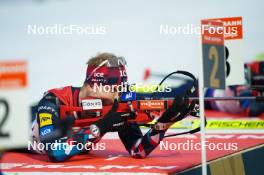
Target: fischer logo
{"x":151,"y":104}
{"x":90,"y":104}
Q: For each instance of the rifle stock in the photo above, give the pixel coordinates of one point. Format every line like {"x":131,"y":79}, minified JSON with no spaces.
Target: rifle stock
{"x":140,"y":107}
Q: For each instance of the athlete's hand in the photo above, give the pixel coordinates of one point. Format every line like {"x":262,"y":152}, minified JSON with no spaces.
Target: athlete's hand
{"x":113,"y":121}
{"x":179,"y":109}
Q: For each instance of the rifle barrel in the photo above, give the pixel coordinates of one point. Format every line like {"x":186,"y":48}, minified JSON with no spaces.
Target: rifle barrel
{"x":228,"y":98}
{"x":251,"y":98}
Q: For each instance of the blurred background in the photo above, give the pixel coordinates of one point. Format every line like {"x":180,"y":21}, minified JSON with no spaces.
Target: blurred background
{"x":130,"y":29}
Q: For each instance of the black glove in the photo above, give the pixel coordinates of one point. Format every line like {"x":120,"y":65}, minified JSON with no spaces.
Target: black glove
{"x":113,"y":121}
{"x":179,"y":109}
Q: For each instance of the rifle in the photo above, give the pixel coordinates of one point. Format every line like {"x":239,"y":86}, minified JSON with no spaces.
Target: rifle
{"x":145,"y":110}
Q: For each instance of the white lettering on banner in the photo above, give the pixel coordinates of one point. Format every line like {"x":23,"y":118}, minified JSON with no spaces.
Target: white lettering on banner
{"x":43,"y":166}
{"x":158,"y":167}
{"x":233,"y":23}
{"x":16,"y":68}
{"x":81,"y":166}
{"x":251,"y":137}
{"x":8,"y":166}
{"x":107,"y":167}
{"x":220,"y":136}
{"x":89,"y":104}
{"x":114,"y":157}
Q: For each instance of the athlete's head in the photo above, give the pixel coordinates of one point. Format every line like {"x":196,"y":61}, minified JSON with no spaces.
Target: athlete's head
{"x":105,"y":72}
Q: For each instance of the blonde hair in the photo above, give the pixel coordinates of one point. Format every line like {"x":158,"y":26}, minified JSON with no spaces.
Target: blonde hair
{"x":99,"y":58}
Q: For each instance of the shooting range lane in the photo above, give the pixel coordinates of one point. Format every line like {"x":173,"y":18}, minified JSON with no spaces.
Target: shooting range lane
{"x":164,"y":160}
{"x":116,"y":159}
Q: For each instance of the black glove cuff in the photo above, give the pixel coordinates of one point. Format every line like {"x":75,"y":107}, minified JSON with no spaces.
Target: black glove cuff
{"x":102,"y":125}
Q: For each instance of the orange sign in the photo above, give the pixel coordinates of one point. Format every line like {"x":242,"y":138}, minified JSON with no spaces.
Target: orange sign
{"x":232,"y":27}
{"x":13,"y":74}
{"x":212,"y":32}
{"x":151,"y":104}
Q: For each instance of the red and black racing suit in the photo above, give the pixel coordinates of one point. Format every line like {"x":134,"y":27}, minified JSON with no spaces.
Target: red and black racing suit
{"x":48,"y":116}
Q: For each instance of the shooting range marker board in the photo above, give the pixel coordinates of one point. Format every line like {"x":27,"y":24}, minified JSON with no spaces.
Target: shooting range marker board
{"x":14,"y":106}
{"x":213,"y":54}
